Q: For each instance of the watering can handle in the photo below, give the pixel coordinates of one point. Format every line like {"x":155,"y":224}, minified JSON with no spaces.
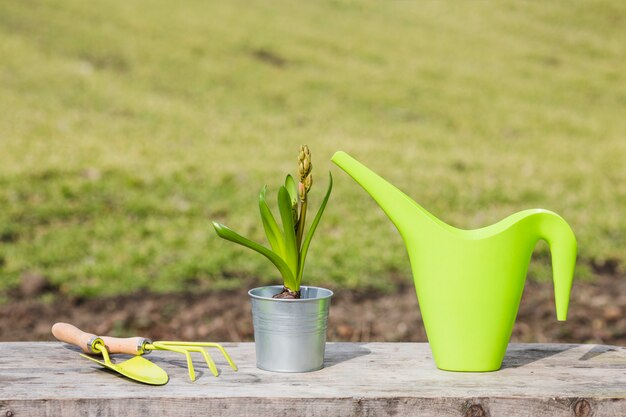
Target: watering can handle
{"x":128,"y":345}
{"x":71,"y":334}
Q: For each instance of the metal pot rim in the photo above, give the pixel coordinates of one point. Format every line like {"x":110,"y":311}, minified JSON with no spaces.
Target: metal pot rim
{"x":283,"y":300}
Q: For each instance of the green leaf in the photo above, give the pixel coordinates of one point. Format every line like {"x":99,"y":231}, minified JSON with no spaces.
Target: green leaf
{"x":290,"y":185}
{"x":272,"y":231}
{"x":291,"y":248}
{"x":228,"y":234}
{"x":309,"y":235}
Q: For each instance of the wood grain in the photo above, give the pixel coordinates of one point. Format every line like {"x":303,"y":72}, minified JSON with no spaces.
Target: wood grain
{"x":370,"y":379}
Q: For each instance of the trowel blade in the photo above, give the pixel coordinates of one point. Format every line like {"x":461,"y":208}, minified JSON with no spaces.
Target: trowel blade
{"x":137,"y":368}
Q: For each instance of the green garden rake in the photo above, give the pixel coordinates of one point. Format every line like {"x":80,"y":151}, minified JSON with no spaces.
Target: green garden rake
{"x":142,"y":345}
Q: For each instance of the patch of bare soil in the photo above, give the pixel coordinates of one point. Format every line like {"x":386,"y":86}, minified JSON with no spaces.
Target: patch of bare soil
{"x":597,"y":315}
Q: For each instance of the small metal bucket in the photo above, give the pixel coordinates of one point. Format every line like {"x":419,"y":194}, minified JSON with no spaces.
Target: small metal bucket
{"x":290,"y":335}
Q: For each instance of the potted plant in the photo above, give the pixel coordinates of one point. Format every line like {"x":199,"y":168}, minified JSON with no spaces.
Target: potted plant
{"x":289,"y":319}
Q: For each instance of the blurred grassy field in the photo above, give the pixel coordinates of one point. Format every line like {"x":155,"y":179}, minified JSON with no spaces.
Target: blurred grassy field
{"x":125,"y":127}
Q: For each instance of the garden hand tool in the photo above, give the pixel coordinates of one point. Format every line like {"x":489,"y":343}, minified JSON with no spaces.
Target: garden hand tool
{"x":137,"y":368}
{"x":142,"y":345}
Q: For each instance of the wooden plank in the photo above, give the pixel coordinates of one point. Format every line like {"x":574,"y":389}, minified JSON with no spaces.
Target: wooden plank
{"x":400,"y":379}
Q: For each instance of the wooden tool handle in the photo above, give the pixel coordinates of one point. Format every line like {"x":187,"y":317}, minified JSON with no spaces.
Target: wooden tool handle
{"x":71,"y":334}
{"x":128,"y":345}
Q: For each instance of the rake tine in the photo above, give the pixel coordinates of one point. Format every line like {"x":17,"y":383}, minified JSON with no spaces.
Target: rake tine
{"x":205,"y":354}
{"x":209,"y":361}
{"x":204,"y":344}
{"x":192,"y":372}
{"x":226,"y":355}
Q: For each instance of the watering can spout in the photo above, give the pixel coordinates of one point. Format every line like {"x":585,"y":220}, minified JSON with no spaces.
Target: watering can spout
{"x":563,"y":247}
{"x":408,"y":216}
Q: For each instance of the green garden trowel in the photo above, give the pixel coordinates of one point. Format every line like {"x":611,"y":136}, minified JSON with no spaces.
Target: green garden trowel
{"x":137,"y":368}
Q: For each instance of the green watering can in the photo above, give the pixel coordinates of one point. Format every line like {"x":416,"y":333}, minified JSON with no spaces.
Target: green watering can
{"x":469,"y":282}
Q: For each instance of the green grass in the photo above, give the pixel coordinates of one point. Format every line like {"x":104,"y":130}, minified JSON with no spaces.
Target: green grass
{"x":127,"y":126}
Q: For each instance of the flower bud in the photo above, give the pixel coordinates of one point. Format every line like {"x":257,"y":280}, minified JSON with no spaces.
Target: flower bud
{"x":302,"y":191}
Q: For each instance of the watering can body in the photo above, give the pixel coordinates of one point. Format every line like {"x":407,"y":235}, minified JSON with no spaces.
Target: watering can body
{"x":469,"y":283}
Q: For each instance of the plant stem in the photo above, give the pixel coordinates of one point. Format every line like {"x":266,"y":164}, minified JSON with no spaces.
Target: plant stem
{"x":301,"y":221}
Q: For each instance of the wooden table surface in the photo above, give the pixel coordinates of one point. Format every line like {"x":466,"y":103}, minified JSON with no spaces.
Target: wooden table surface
{"x":359,"y":379}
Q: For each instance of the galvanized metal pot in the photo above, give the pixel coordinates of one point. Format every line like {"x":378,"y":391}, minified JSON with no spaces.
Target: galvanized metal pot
{"x":290,"y":335}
